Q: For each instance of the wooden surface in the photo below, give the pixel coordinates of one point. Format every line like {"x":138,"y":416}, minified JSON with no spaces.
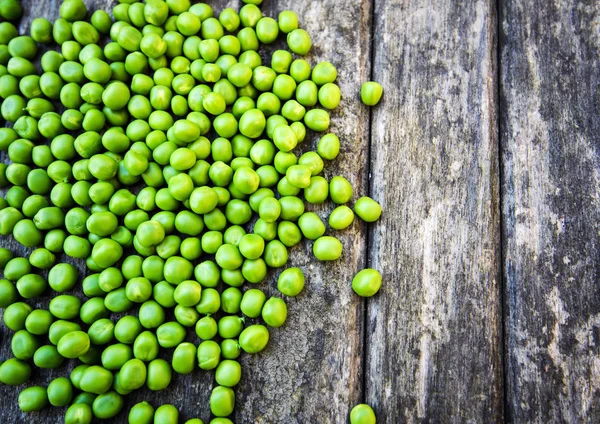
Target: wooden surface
{"x":550,"y":130}
{"x":434,"y":332}
{"x":484,"y":156}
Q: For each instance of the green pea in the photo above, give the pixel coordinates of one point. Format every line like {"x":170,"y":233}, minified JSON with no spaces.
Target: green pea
{"x":206,"y":328}
{"x":370,"y":93}
{"x":184,"y":358}
{"x":230,"y":349}
{"x":107,"y":405}
{"x":127,"y":329}
{"x":367,"y":209}
{"x":323,"y":73}
{"x":24,"y":345}
{"x":367,"y":282}
{"x":114,"y":356}
{"x":327,"y":248}
{"x":299,"y":176}
{"x":101,"y":332}
{"x":329,"y":95}
{"x":311,"y":225}
{"x":159,"y":376}
{"x":78,"y":413}
{"x":362,"y":414}
{"x":65,"y":306}
{"x":274,"y":312}
{"x":74,"y":344}
{"x":151,"y":313}
{"x":210,"y":301}
{"x":141,"y":413}
{"x":188,"y":293}
{"x":228,"y":373}
{"x":33,"y":399}
{"x":38,"y":321}
{"x":341,"y":218}
{"x":299,"y":41}
{"x":208,"y":355}
{"x":340,"y":190}
{"x":254,"y":338}
{"x":60,"y":392}
{"x":252,"y":303}
{"x":14,"y":372}
{"x":60,"y":328}
{"x":170,"y":334}
{"x":31,"y":285}
{"x":48,"y":357}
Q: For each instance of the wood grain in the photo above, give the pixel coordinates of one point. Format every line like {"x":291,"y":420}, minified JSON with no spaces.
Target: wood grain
{"x":434,"y":331}
{"x":550,"y":132}
{"x":311,"y":372}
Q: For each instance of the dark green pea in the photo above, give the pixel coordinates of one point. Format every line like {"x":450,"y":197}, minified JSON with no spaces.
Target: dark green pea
{"x":60,"y":391}
{"x":8,"y":294}
{"x":14,"y":372}
{"x":26,"y":233}
{"x":107,"y":405}
{"x":24,"y":344}
{"x":93,"y":310}
{"x":33,"y":398}
{"x":114,"y":356}
{"x":48,"y":357}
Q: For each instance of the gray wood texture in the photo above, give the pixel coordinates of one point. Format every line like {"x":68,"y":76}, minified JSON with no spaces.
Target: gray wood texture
{"x":550,"y":130}
{"x":434,"y":331}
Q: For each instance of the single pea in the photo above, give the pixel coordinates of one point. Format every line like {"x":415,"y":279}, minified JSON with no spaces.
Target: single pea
{"x":65,"y":306}
{"x":206,"y":328}
{"x":228,"y":373}
{"x":327,"y":248}
{"x":48,"y":357}
{"x":299,"y":42}
{"x":329,"y":95}
{"x":78,"y":413}
{"x":274,"y":312}
{"x":187,"y":293}
{"x":299,"y":176}
{"x":33,"y":399}
{"x":60,"y":328}
{"x":311,"y":225}
{"x":291,"y":282}
{"x":340,"y":190}
{"x":170,"y":334}
{"x":317,"y":191}
{"x":362,"y":414}
{"x":267,"y":30}
{"x":141,"y":413}
{"x":252,"y":303}
{"x":107,"y":405}
{"x":114,"y":356}
{"x":210,"y":301}
{"x":127,"y":329}
{"x":289,"y":233}
{"x":254,"y":338}
{"x":367,"y":282}
{"x":323,"y":73}
{"x":367,"y":209}
{"x":288,"y":21}
{"x":14,"y":372}
{"x":317,"y":120}
{"x":184,"y":358}
{"x":341,"y":218}
{"x":370,"y":93}
{"x":60,"y":392}
{"x":74,"y":344}
{"x":24,"y":345}
{"x":167,"y":414}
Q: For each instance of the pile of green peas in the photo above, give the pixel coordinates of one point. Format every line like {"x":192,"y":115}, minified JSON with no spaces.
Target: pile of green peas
{"x":170,"y":173}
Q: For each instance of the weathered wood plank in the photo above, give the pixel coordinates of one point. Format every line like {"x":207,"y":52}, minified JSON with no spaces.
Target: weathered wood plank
{"x":550,"y":133}
{"x":434,"y":331}
{"x":311,"y":372}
